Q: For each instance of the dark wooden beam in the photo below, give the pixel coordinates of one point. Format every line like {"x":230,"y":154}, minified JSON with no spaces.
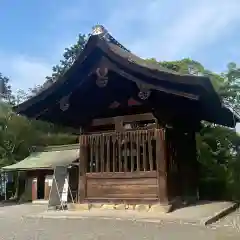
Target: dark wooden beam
{"x":124,"y":119}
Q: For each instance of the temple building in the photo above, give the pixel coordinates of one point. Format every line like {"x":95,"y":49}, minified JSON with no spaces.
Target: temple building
{"x":136,"y":120}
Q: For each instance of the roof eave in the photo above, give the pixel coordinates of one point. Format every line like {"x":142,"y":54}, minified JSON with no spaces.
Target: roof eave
{"x":227,"y":118}
{"x":22,"y":107}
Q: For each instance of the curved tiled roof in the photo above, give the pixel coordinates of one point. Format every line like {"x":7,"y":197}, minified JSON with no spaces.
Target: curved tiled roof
{"x":102,"y":45}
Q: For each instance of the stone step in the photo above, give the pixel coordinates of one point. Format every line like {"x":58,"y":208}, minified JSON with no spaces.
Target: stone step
{"x":138,"y":207}
{"x":40,"y":202}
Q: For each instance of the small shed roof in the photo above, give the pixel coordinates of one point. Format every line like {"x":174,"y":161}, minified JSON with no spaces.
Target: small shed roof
{"x":48,"y":158}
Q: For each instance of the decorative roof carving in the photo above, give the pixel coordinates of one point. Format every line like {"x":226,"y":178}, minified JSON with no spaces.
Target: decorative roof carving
{"x":144,"y":91}
{"x":64,"y":103}
{"x":102,"y":78}
{"x":115,"y":104}
{"x":133,"y":102}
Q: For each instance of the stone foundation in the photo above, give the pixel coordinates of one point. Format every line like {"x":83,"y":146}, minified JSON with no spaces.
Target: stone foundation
{"x":137,"y":207}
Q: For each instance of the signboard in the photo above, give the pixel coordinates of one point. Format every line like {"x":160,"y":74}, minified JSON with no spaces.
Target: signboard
{"x":48,"y":180}
{"x":59,"y":189}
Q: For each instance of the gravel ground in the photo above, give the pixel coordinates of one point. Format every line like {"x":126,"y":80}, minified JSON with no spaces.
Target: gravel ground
{"x":13,"y":226}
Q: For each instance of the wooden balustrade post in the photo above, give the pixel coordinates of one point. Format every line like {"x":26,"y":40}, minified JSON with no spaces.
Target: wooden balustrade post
{"x":82,"y":169}
{"x":161,"y":158}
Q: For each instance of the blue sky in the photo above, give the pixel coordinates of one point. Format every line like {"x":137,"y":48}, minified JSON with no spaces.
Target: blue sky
{"x":35,"y":33}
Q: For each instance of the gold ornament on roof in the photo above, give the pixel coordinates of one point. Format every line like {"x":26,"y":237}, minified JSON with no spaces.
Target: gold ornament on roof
{"x":98,"y":29}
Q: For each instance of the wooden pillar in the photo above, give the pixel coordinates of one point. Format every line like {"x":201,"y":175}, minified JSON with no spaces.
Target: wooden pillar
{"x":161,"y":158}
{"x":189,"y":166}
{"x":82,"y":187}
{"x":34,"y":189}
{"x":48,"y":185}
{"x":194,"y":165}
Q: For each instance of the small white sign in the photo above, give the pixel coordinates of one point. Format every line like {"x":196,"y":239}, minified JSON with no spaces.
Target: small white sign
{"x":50,"y":182}
{"x":65,"y":191}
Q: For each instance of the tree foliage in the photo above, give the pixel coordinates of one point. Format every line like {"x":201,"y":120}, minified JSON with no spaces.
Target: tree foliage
{"x":69,"y":56}
{"x":5,"y":89}
{"x":219,"y":147}
{"x":18,"y":135}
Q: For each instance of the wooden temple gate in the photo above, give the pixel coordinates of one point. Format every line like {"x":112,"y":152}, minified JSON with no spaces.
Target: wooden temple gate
{"x":107,"y":88}
{"x":123,"y":166}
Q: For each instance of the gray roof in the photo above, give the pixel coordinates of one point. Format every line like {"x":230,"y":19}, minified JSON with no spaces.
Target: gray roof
{"x":48,"y":158}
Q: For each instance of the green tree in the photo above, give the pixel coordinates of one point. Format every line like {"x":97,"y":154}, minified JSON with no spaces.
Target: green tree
{"x":230,"y":89}
{"x":218,"y":146}
{"x":69,"y":56}
{"x":5,"y":89}
{"x":18,"y":134}
{"x":20,"y":96}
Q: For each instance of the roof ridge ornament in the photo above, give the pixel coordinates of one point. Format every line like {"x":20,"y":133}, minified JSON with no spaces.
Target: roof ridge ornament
{"x":98,"y":30}
{"x":103,"y":32}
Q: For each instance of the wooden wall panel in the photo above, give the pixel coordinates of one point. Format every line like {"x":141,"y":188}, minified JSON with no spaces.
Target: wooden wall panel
{"x":118,"y":186}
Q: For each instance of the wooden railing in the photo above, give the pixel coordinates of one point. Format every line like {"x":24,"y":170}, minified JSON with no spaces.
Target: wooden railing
{"x":123,"y":165}
{"x":129,"y":151}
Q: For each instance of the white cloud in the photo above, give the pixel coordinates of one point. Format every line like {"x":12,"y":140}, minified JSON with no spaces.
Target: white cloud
{"x":175,"y":29}
{"x":25,"y":72}
{"x":165,"y":29}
